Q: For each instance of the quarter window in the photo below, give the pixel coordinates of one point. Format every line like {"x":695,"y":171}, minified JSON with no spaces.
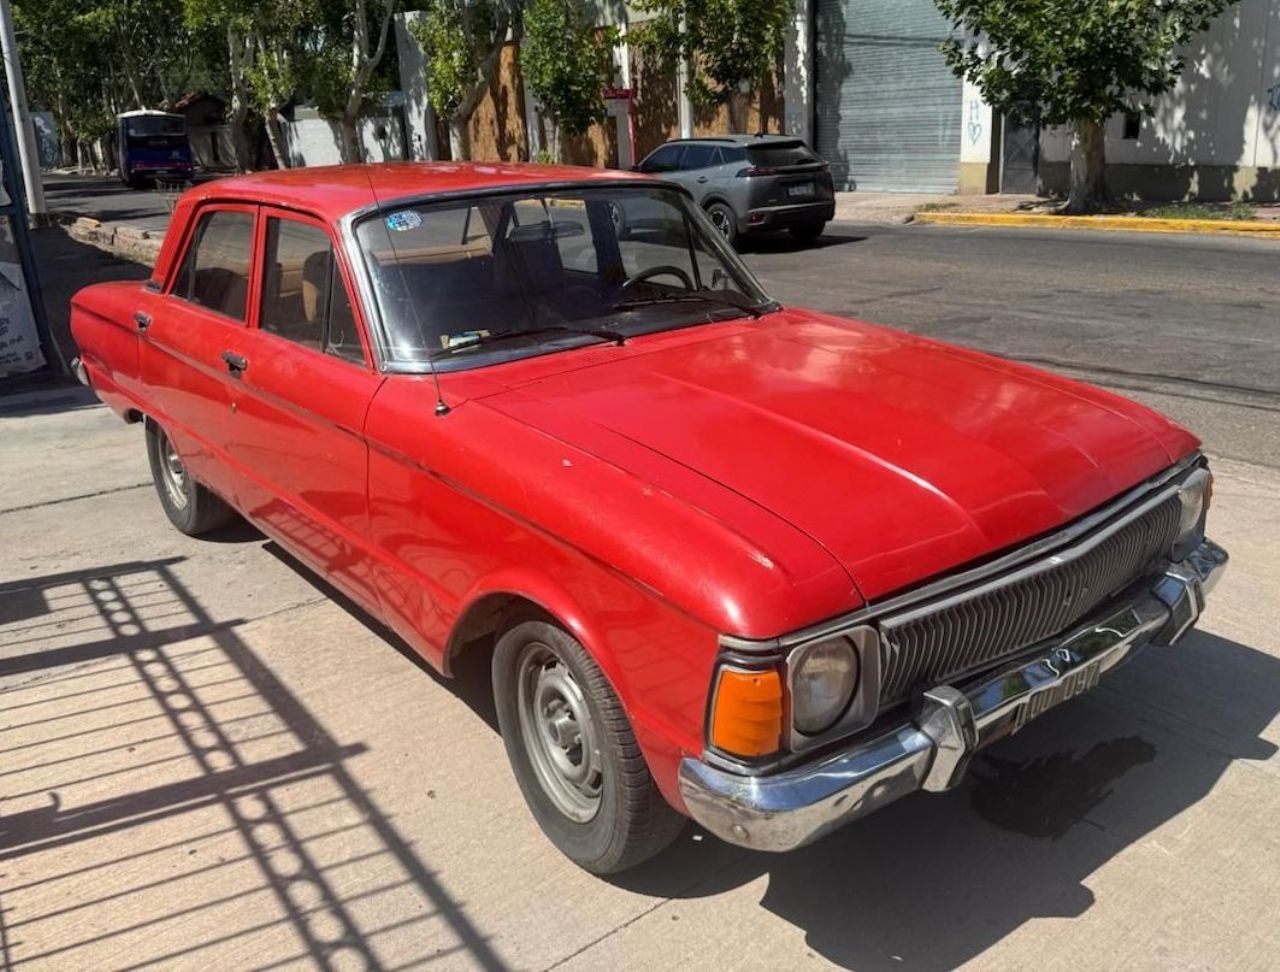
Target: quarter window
{"x":304,"y":298}
{"x":215,"y":270}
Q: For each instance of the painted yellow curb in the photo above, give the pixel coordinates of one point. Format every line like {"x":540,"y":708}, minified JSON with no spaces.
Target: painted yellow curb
{"x":1129,"y":224}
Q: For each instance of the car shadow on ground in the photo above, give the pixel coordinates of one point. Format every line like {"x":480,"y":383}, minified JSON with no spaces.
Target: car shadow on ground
{"x":785,"y":243}
{"x":168,"y":801}
{"x":935,"y":880}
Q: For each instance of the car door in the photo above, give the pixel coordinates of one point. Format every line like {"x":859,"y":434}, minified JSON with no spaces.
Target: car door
{"x":697,"y":169}
{"x":190,"y":330}
{"x":305,"y":384}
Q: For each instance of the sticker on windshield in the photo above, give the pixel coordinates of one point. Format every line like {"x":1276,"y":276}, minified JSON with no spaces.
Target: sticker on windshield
{"x":406,"y":219}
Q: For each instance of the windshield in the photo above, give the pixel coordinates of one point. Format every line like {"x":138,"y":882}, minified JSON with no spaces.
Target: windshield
{"x":487,"y":279}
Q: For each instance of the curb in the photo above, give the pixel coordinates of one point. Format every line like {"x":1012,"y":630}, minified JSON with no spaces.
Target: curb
{"x":1127,"y":224}
{"x":130,"y":242}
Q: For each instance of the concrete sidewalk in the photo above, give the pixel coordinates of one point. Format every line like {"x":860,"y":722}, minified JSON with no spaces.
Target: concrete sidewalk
{"x":209,"y":762}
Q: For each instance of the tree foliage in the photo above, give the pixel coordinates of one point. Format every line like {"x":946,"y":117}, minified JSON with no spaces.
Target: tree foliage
{"x":1074,"y":62}
{"x":1062,"y":60}
{"x":566,"y":62}
{"x":462,"y":41}
{"x":730,"y":45}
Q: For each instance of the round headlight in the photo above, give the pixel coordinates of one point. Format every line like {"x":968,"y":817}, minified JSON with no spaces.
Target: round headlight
{"x":1193,"y":495}
{"x":823,"y":677}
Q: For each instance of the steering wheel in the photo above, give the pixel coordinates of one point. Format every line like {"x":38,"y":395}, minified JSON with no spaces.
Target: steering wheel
{"x":659,"y":271}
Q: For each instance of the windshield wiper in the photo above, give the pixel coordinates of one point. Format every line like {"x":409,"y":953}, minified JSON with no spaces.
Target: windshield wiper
{"x":478,"y":340}
{"x":721,"y":299}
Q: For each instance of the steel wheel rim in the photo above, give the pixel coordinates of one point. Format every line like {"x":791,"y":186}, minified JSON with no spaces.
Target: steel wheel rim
{"x":720,"y":220}
{"x":173,"y":474}
{"x":559,"y":734}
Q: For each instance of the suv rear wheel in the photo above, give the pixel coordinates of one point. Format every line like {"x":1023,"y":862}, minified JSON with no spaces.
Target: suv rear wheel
{"x":573,"y":752}
{"x":724,"y":220}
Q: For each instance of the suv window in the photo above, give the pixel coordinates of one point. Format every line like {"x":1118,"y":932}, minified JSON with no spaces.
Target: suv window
{"x":665,"y":159}
{"x":699,"y":157}
{"x":215,"y":269}
{"x":778,"y":154}
{"x":304,"y":298}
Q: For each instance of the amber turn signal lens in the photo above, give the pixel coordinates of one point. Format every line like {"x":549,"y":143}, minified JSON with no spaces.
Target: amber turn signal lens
{"x":747,"y":720}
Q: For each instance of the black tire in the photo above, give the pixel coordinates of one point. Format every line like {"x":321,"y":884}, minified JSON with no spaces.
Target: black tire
{"x":190,"y":506}
{"x":631,"y":822}
{"x":725,"y":221}
{"x":806,"y":232}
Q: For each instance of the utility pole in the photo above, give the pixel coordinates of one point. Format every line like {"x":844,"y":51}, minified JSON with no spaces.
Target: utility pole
{"x":28,"y":157}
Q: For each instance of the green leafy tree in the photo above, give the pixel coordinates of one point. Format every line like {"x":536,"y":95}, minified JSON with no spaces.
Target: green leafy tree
{"x":345,"y":50}
{"x":566,"y":61}
{"x":1074,"y":62}
{"x":234,"y":20}
{"x":730,"y":45}
{"x":463,"y":41}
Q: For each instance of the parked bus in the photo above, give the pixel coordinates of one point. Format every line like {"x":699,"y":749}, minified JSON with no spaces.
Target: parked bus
{"x":153,"y":145}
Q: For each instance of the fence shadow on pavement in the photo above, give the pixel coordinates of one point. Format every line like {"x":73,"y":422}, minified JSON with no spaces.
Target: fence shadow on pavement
{"x":935,"y":880}
{"x":166,"y":800}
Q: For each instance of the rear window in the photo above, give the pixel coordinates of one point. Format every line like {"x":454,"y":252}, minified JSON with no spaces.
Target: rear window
{"x":777,"y":154}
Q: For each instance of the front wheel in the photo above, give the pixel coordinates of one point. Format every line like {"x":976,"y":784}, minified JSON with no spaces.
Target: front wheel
{"x":573,"y":752}
{"x":190,"y":506}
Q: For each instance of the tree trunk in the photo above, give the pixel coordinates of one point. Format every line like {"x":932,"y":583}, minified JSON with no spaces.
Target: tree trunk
{"x":459,"y":138}
{"x":555,"y":139}
{"x":275,"y":136}
{"x":239,"y":98}
{"x":1088,"y":167}
{"x":350,"y":147}
{"x":737,"y":105}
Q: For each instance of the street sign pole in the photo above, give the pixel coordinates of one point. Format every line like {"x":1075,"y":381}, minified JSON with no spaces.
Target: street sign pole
{"x":25,"y":134}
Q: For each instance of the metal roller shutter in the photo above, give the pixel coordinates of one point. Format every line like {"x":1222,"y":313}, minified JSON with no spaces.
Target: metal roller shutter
{"x":889,"y":111}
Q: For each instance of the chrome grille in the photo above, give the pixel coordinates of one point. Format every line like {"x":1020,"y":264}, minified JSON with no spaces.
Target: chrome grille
{"x":927,"y":646}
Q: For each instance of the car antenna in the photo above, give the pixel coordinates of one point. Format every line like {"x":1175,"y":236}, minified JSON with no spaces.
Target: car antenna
{"x":442,"y":408}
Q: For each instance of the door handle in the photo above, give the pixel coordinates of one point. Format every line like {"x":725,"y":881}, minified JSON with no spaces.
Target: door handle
{"x":236,"y":364}
{"x":702,"y":178}
{"x":142,"y":319}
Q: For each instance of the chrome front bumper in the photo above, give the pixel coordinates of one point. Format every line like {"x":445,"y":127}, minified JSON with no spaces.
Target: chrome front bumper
{"x":788,"y":809}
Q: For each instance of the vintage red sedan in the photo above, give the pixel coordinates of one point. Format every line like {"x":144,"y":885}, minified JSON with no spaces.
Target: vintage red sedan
{"x":758,"y":565}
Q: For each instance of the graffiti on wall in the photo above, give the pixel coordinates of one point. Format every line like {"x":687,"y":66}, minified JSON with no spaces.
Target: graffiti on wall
{"x":975,"y":121}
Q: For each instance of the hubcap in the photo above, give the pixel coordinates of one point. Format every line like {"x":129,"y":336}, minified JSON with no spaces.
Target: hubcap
{"x":559,"y":732}
{"x":172,"y":473}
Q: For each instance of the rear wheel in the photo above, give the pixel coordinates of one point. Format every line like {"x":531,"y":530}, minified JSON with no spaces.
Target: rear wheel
{"x":725,"y":222}
{"x":573,"y":752}
{"x":807,"y":232}
{"x":190,"y":507}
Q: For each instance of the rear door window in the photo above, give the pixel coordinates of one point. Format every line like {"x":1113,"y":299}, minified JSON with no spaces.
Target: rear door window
{"x":698,"y":157}
{"x":215,"y":269}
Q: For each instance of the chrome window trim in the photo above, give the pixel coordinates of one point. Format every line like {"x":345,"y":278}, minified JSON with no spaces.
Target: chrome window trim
{"x":1124,"y":509}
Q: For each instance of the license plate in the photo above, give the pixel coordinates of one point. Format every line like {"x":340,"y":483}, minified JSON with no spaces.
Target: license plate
{"x":1077,"y":683}
{"x":800,"y":189}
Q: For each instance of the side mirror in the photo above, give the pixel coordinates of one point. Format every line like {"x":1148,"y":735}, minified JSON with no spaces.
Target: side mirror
{"x":637,"y":167}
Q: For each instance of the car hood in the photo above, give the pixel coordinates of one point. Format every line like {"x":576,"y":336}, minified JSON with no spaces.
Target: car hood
{"x":902,"y":457}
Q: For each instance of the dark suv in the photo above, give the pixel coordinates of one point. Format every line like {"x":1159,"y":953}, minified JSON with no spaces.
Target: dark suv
{"x":749,"y":183}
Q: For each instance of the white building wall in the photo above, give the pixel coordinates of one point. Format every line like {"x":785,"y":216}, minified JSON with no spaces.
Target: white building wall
{"x":1224,"y":111}
{"x":315,"y":141}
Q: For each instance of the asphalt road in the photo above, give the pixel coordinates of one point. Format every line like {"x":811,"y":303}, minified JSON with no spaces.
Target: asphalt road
{"x":1189,"y":324}
{"x":208,"y":761}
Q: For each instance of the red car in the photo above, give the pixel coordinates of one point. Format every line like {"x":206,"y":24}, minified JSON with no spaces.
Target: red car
{"x":758,"y":565}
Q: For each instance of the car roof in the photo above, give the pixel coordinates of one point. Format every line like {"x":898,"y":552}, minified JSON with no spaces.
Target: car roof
{"x":333,"y":191}
{"x":735,"y":139}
